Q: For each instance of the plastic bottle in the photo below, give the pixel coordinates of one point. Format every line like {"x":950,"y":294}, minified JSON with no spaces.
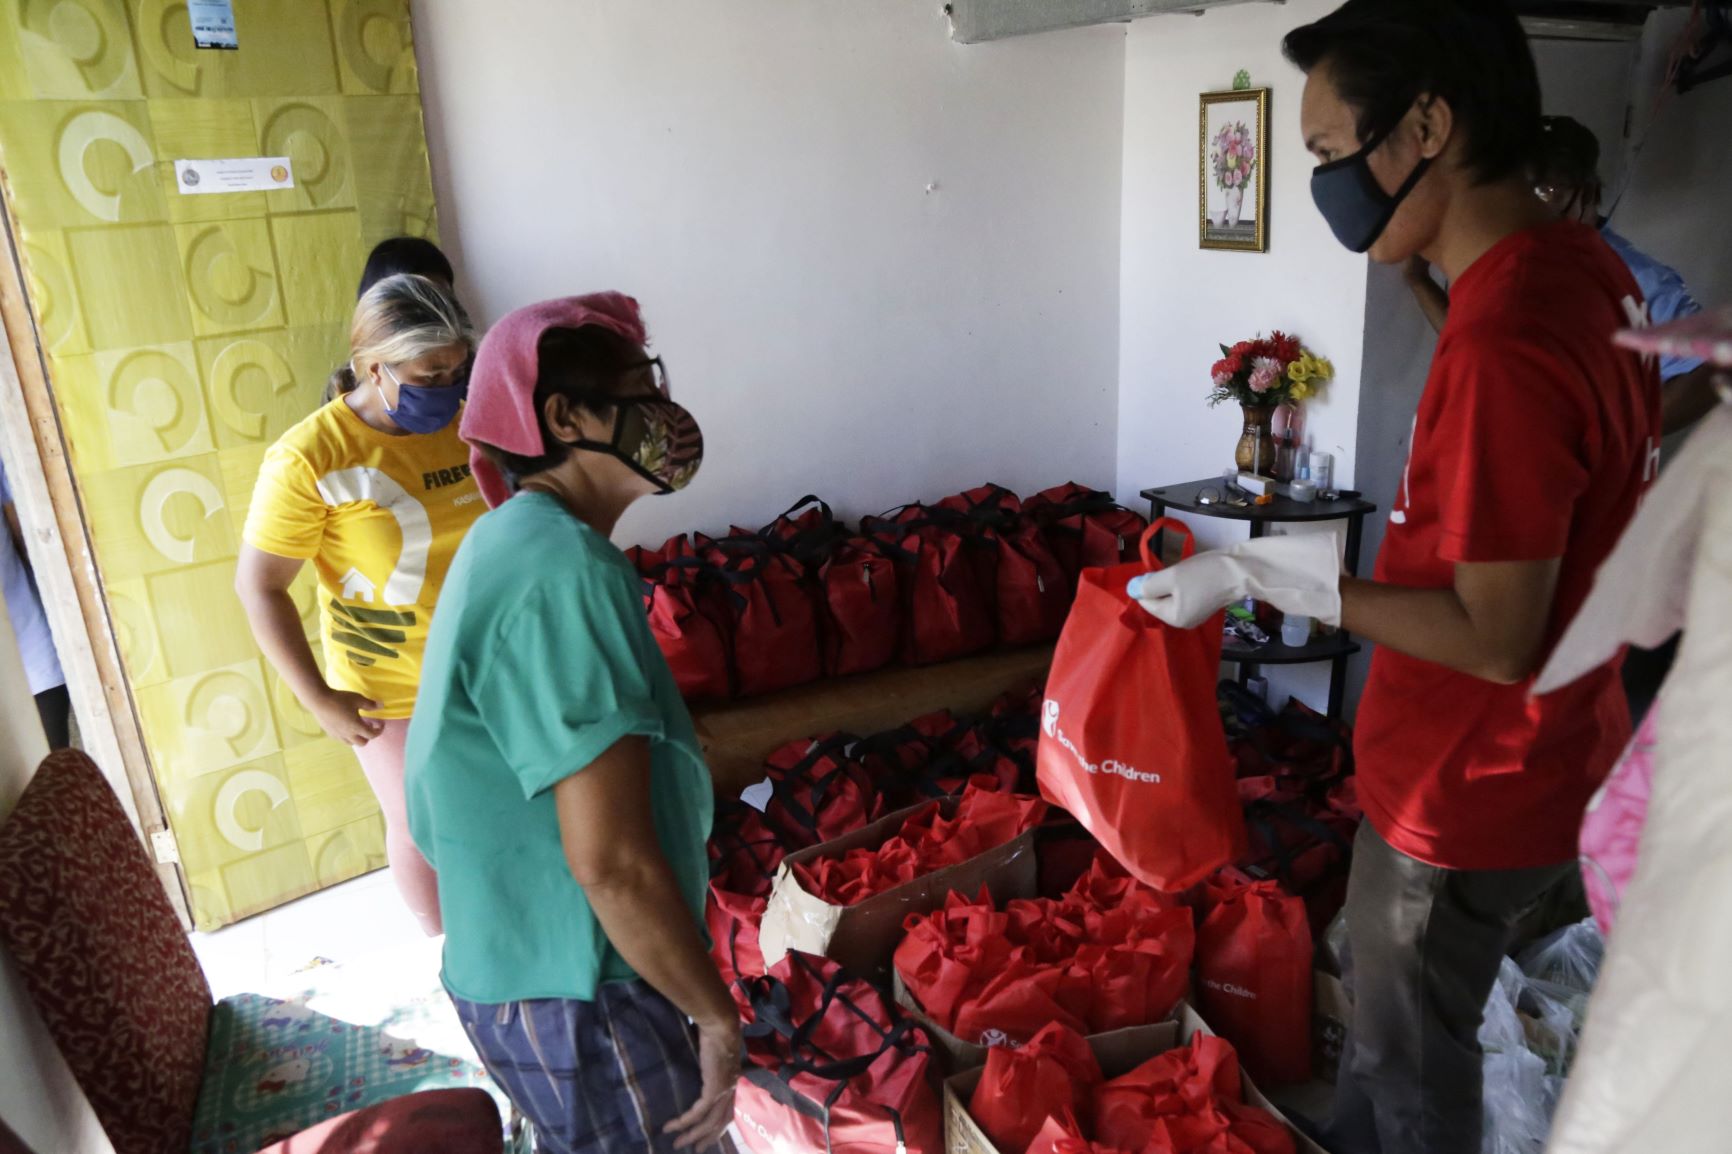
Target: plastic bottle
{"x":1323,"y":472}
{"x":1295,"y":631}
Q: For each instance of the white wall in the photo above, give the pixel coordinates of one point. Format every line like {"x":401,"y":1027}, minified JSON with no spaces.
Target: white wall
{"x":880,"y":265}
{"x":39,"y":1099}
{"x":1676,"y":206}
{"x":1178,"y":302}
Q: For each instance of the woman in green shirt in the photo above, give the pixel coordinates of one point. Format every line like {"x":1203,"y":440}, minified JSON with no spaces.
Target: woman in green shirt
{"x":554,"y":779}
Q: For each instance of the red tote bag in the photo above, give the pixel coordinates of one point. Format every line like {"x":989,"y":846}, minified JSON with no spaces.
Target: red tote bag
{"x":1131,"y":740}
{"x":1254,"y":977}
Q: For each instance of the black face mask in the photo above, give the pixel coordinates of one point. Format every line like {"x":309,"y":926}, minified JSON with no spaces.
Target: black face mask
{"x":1351,"y":200}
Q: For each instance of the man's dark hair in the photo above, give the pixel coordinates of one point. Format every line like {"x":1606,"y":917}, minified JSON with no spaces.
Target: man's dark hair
{"x":585,"y":367}
{"x":1385,"y":54}
{"x":401,"y":254}
{"x":1568,"y":155}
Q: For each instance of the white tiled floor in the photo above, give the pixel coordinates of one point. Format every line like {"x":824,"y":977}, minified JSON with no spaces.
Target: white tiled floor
{"x":341,"y":924}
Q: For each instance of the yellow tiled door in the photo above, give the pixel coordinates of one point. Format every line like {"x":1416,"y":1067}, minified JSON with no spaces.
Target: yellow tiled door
{"x":184,"y":334}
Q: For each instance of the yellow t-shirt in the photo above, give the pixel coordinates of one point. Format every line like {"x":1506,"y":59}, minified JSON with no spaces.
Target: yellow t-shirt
{"x":380,"y":517}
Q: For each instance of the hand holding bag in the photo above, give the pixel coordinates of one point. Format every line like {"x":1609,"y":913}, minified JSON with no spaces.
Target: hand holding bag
{"x":1131,"y":738}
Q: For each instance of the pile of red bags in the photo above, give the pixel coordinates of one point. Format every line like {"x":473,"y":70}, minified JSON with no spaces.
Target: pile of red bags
{"x":824,"y":787}
{"x":1111,"y":953}
{"x":744,"y":854}
{"x":928,"y":841}
{"x":1296,"y":786}
{"x":806,"y":597}
{"x":831,"y":1065}
{"x":1049,"y":1097}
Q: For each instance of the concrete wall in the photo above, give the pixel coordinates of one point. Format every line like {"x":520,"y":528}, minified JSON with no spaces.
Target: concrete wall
{"x":881,"y":266}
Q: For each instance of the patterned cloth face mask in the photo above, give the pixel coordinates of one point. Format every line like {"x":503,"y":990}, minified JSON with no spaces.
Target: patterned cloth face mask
{"x":658,"y":440}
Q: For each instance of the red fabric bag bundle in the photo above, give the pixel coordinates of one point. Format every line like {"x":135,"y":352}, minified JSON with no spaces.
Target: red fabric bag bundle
{"x":946,"y":593}
{"x":862,"y":599}
{"x":1055,"y":1075}
{"x":1031,"y":589}
{"x":1183,"y":1082}
{"x":928,"y":841}
{"x":1062,"y":1134}
{"x":1131,"y":738}
{"x":689,"y":627}
{"x":819,"y":791}
{"x":1186,"y":1101}
{"x":833,"y":1067}
{"x":808,"y":532}
{"x":1254,"y":980}
{"x":1305,"y":844}
{"x":1095,"y":965}
{"x":772,"y":613}
{"x":1085,"y":528}
{"x":744,"y":855}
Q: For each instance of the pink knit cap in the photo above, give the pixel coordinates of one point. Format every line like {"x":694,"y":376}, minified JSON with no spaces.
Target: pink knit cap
{"x":501,"y":407}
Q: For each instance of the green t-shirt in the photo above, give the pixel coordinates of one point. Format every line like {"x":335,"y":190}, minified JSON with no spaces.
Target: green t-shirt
{"x":539,"y":660}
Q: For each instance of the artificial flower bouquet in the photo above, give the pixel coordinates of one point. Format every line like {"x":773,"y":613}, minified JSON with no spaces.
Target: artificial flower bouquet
{"x":1271,"y":370}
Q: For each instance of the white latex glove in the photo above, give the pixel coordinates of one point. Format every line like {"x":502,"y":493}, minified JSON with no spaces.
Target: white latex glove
{"x":1300,"y":575}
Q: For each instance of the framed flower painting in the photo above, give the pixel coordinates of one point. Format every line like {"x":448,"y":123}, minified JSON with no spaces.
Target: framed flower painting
{"x":1233,"y":177}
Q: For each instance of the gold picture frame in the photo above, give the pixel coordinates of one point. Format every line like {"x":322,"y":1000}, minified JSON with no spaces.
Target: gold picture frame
{"x":1233,"y":186}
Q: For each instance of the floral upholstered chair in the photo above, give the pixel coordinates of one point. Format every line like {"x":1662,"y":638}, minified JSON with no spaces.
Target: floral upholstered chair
{"x":102,"y":955}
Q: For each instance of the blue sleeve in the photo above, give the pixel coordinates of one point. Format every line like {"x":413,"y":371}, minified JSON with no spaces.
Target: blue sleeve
{"x":1673,"y":302}
{"x":1668,"y":298}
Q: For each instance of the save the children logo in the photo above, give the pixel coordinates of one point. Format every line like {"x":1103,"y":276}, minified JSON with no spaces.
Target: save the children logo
{"x":1230,"y":988}
{"x":1111,"y":766}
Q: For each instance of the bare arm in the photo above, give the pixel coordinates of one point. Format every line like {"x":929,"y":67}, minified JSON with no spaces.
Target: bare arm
{"x":607,"y":825}
{"x":1491,"y":625}
{"x":262,"y":582}
{"x":1433,"y":300}
{"x":1687,"y":398}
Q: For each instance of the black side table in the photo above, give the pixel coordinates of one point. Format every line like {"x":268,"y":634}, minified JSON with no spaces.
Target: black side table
{"x":1334,"y":648}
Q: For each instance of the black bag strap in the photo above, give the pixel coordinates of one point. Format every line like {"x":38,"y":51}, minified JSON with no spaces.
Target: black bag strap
{"x":1258,"y":815}
{"x":783,"y":782}
{"x":771,"y":996}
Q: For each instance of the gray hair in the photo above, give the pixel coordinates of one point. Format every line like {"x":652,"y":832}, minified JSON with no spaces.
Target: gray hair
{"x":402,"y":318}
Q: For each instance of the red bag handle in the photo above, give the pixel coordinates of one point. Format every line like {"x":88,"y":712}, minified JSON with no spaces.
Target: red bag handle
{"x":1183,"y":530}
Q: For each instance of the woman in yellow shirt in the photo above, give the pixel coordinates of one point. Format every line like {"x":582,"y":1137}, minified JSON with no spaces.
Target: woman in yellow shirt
{"x":374,"y":489}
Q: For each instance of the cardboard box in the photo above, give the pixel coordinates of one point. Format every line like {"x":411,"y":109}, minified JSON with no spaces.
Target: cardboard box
{"x":960,"y":1055}
{"x":864,"y":936}
{"x":1331,"y":1015}
{"x":1119,"y":1052}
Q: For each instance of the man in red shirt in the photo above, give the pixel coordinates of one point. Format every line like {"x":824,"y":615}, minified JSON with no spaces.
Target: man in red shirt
{"x":1533,"y":444}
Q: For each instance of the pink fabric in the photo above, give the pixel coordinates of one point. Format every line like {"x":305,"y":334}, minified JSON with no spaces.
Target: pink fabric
{"x":1612,"y":828}
{"x":501,"y":407}
{"x":382,"y":762}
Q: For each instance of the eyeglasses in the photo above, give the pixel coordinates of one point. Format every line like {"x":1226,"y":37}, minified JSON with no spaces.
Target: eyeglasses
{"x":651,"y":372}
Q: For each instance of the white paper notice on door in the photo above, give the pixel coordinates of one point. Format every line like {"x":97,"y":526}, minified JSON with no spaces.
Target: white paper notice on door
{"x":213,"y":23}
{"x":241,"y":174}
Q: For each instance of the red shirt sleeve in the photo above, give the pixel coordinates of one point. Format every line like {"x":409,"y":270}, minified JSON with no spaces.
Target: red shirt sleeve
{"x":1512,"y":444}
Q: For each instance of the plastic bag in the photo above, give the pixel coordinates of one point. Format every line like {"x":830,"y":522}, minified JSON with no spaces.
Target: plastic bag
{"x":1528,"y":1034}
{"x":1569,"y":958}
{"x":1516,"y":1120}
